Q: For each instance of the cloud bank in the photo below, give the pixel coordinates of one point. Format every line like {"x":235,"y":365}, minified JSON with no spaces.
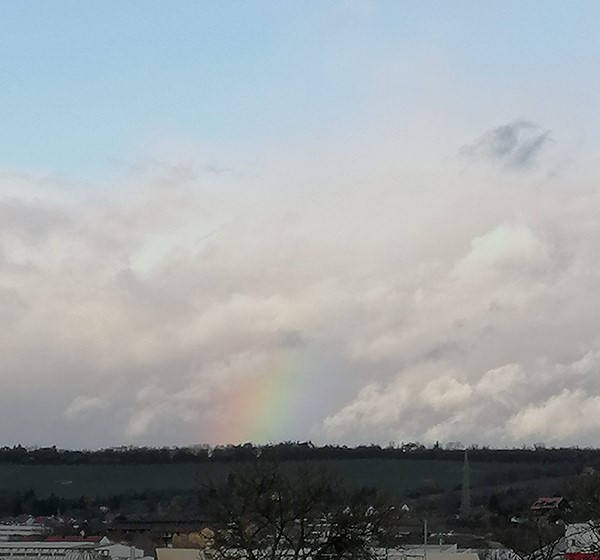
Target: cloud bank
{"x":333,"y":302}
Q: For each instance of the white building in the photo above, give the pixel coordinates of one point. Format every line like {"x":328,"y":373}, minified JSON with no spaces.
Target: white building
{"x":582,"y":538}
{"x":48,"y":550}
{"x":77,"y":549}
{"x":19,"y":530}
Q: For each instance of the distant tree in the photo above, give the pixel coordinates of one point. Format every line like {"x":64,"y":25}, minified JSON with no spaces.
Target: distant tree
{"x":263,"y":513}
{"x":583,"y":494}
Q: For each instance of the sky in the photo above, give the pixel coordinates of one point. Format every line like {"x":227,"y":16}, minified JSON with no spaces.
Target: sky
{"x":345,"y":222}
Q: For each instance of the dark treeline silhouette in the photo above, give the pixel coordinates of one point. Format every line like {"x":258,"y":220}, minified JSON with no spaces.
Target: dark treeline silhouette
{"x":293,"y":451}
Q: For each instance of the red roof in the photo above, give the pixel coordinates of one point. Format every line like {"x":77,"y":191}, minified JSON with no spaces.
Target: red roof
{"x":549,"y":503}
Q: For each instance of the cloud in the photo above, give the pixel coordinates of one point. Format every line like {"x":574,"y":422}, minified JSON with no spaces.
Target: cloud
{"x":559,"y":418}
{"x":517,"y":365}
{"x":446,"y":393}
{"x":82,"y":405}
{"x":507,"y":246}
{"x":501,"y":405}
{"x":175,"y":306}
{"x":292,"y":339}
{"x":30,"y":220}
{"x":516,"y":145}
{"x":373,"y":409}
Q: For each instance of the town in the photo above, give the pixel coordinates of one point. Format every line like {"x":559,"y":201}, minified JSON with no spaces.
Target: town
{"x":289,"y":500}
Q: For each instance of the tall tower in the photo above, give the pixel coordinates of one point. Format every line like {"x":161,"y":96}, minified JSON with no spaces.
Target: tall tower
{"x":465,"y":503}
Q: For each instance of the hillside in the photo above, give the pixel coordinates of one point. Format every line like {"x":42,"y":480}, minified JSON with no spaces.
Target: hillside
{"x":394,"y":478}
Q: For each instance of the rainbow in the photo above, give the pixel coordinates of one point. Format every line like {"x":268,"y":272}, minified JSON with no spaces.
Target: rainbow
{"x":265,"y":407}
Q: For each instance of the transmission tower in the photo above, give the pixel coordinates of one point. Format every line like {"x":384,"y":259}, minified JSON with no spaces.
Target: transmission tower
{"x":465,"y":502}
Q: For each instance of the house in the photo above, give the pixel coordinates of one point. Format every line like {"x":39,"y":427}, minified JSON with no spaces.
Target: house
{"x":545,"y":506}
{"x":117,"y":551}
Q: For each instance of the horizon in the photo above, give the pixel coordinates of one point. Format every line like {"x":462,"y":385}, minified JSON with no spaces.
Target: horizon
{"x":406,"y":448}
{"x":342,"y":222}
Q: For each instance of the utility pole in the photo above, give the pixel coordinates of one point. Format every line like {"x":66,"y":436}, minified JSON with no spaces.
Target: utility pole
{"x":465,"y":503}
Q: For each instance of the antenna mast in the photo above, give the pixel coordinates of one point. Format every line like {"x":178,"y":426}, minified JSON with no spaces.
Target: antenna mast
{"x":465,"y":503}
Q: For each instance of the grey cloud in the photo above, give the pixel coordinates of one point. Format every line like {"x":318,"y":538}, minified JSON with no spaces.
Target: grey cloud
{"x":131,"y":324}
{"x":217,"y":169}
{"x":12,"y":306}
{"x":524,"y":155}
{"x":516,"y":145}
{"x":173,"y":172}
{"x":32,"y":220}
{"x":291,"y":339}
{"x":191,"y":171}
{"x":442,"y":350}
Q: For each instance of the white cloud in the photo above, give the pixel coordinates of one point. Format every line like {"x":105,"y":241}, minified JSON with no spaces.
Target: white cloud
{"x":374,"y":408}
{"x":446,"y":393}
{"x":569,"y":414}
{"x":508,"y":247}
{"x":82,"y":404}
{"x":502,"y":380}
{"x":424,"y":305}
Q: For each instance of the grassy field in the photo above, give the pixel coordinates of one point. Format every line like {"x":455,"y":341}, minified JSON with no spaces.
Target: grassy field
{"x":392,"y":477}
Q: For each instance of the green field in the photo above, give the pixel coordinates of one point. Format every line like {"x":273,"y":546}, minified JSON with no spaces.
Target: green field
{"x":391,"y":476}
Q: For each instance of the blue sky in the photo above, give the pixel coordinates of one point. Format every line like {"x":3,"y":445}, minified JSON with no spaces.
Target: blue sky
{"x":87,"y":83}
{"x":395,"y":203}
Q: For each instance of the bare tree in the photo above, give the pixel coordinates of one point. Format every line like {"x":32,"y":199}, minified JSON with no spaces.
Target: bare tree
{"x":264,"y":513}
{"x":532,"y":538}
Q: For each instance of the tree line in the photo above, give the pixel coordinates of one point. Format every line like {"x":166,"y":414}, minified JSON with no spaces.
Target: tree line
{"x":290,"y":451}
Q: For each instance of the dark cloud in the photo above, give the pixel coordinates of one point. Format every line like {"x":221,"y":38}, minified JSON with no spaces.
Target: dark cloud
{"x":515,"y":145}
{"x":291,"y":339}
{"x":442,"y":350}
